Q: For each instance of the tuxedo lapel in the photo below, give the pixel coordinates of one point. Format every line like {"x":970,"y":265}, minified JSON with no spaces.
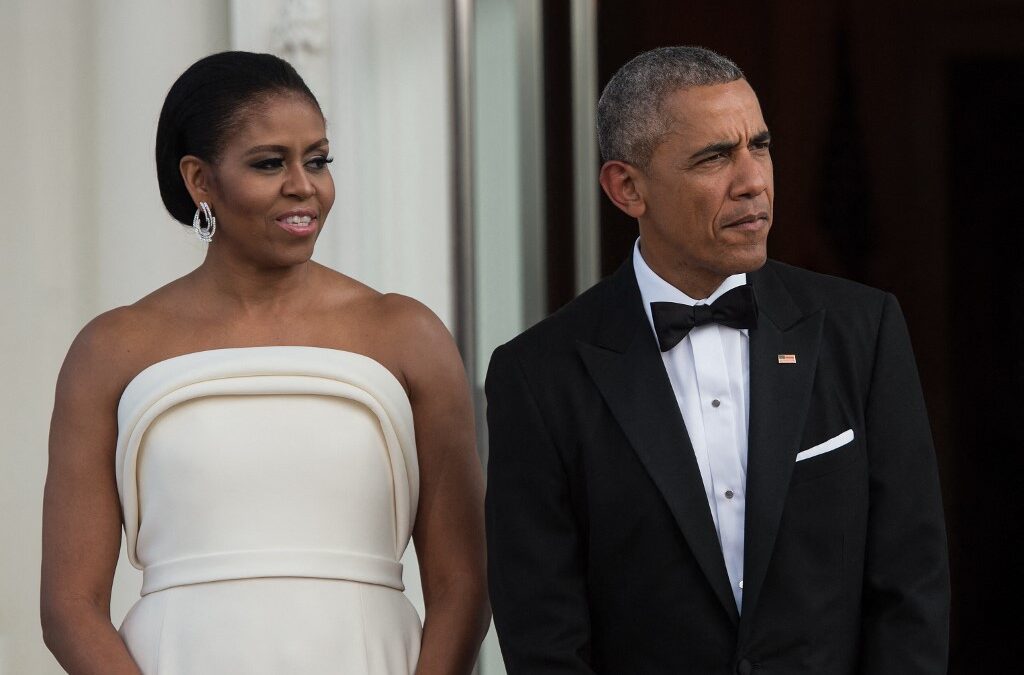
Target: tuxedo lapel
{"x":780,"y":392}
{"x":627,"y":368}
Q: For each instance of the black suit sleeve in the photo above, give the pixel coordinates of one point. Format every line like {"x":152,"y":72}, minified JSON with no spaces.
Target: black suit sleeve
{"x":534,"y":545}
{"x":906,"y":579}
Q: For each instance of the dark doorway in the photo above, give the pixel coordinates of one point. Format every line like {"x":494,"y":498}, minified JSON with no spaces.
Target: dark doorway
{"x":895,"y":133}
{"x":986,"y":104}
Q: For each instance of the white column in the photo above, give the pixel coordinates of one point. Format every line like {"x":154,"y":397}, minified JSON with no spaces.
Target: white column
{"x":509,"y":190}
{"x":586,"y":193}
{"x":390,"y":127}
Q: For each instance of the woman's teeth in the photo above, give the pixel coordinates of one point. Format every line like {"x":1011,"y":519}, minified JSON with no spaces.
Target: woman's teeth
{"x":298,"y":220}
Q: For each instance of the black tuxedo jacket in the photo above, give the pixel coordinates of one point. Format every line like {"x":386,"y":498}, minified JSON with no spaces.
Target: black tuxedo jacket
{"x":603,"y":556}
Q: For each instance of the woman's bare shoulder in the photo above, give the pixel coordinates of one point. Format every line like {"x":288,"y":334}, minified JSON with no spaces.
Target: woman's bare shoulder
{"x":398,"y":320}
{"x":413,"y":317}
{"x":341,"y":287}
{"x":397,"y":330}
{"x":103,"y":355}
{"x":424,"y":348}
{"x":119,"y":343}
{"x":382,"y":312}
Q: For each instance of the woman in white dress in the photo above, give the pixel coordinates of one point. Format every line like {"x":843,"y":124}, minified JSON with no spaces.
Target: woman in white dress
{"x":268,"y":432}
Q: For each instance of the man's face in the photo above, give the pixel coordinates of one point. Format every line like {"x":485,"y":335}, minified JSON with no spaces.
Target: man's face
{"x":708,"y":189}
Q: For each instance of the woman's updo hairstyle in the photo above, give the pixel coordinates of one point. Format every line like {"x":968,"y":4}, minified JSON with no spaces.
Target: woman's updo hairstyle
{"x":205,"y":106}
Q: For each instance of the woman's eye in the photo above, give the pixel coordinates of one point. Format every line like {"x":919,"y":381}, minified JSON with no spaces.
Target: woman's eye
{"x":320,"y":162}
{"x":272,"y":163}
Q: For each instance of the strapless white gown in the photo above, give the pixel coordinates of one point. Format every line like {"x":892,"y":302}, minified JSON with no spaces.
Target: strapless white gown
{"x":268,"y":496}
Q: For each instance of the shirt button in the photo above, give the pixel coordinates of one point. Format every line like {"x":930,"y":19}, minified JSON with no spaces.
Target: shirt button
{"x":728,"y":494}
{"x":741,"y":584}
{"x":715,"y":403}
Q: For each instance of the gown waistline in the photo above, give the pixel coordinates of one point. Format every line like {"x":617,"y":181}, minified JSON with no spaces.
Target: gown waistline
{"x":272,"y":563}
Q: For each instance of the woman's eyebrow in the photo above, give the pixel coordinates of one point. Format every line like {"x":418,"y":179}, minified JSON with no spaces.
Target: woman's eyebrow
{"x":284,"y":148}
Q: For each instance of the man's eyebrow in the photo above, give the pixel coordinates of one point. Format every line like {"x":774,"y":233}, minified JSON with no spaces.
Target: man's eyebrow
{"x":714,"y":149}
{"x":283,"y":148}
{"x":724,"y":146}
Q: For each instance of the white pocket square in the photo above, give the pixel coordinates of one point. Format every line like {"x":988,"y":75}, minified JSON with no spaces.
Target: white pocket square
{"x":828,"y":446}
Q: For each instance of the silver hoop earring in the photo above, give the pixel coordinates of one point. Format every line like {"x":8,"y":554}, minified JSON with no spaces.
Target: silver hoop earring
{"x":204,"y":230}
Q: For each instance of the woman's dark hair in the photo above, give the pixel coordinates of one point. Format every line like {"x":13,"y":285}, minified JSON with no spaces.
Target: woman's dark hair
{"x":205,"y":106}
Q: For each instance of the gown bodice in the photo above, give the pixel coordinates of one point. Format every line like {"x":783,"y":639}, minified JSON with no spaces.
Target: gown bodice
{"x":266,"y":462}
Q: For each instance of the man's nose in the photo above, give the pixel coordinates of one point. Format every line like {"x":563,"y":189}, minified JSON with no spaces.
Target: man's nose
{"x":753,"y":175}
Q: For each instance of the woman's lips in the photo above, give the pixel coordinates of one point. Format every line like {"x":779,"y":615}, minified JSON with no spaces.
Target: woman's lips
{"x":299,"y":226}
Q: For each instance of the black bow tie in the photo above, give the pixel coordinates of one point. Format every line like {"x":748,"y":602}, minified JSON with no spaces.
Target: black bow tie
{"x":736,"y":308}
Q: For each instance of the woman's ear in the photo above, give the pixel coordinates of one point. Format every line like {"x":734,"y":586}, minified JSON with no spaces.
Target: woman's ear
{"x":619,"y":180}
{"x":197,"y":176}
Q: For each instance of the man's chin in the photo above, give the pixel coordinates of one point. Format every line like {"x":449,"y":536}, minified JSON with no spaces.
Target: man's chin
{"x":747,"y":261}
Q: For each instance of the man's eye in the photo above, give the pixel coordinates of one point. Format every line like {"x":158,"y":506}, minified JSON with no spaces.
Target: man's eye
{"x":763,"y":145}
{"x":273,"y":163}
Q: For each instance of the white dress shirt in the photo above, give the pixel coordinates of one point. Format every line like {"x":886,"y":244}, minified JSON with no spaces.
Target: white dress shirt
{"x":710,"y":375}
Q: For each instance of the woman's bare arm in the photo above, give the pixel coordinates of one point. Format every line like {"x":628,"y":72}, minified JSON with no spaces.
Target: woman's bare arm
{"x":449,"y":527}
{"x":81,"y":509}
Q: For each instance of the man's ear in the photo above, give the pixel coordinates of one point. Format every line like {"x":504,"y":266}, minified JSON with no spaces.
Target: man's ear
{"x":619,"y":182}
{"x":197,"y":176}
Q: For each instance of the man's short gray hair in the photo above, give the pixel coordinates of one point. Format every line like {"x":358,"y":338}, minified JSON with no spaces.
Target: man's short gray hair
{"x":630,"y":120}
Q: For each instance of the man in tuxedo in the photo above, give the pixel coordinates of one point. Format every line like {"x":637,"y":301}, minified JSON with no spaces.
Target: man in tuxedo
{"x":711,"y":462}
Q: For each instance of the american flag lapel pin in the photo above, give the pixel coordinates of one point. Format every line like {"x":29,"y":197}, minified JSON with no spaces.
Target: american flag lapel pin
{"x":787,"y":358}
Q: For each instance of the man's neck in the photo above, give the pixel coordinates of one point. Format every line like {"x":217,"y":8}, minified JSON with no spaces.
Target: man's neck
{"x":697,"y":284}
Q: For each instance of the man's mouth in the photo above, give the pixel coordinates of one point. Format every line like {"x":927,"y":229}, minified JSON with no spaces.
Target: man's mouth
{"x":751,"y":221}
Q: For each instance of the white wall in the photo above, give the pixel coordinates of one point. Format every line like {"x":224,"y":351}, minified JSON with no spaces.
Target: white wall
{"x":41,"y":189}
{"x":82,"y":84}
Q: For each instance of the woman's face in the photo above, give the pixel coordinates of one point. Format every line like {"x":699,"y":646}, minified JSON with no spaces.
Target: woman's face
{"x":271,"y":188}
